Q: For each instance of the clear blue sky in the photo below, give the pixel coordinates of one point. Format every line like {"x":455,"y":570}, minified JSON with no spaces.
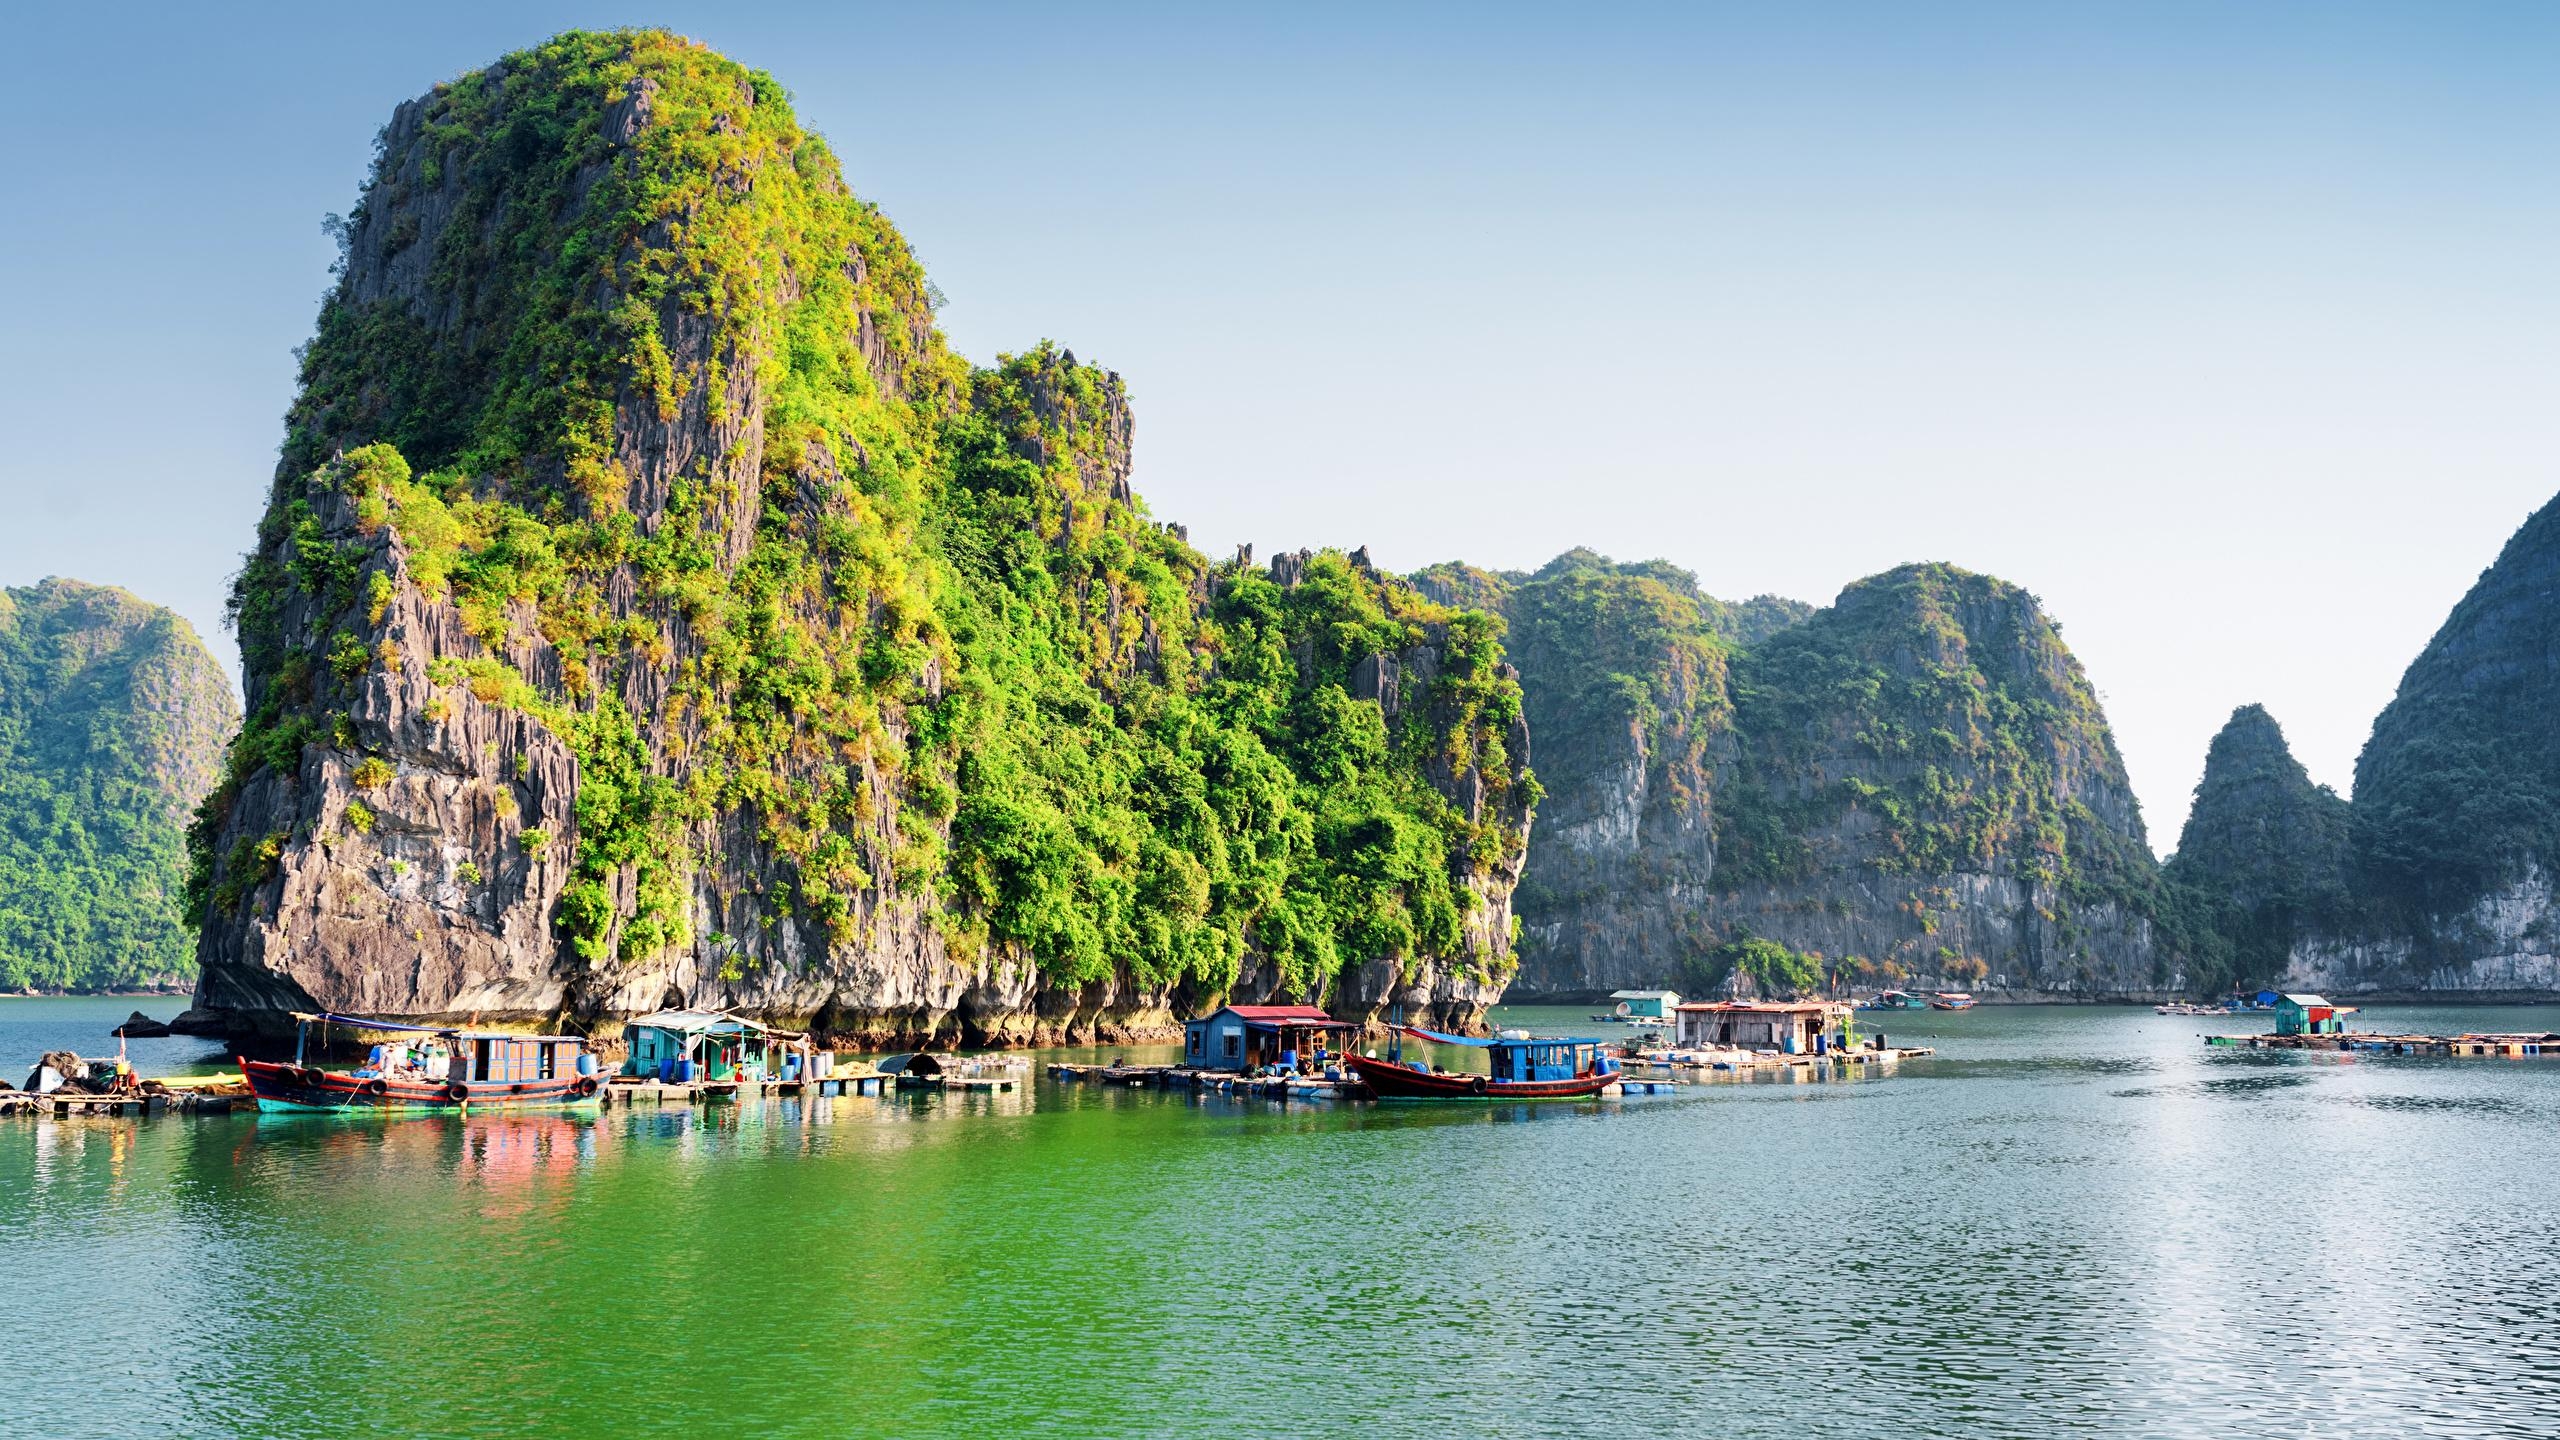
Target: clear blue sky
{"x":2232,"y":331}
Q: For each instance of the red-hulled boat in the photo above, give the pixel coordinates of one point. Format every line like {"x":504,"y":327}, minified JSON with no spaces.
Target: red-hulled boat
{"x":448,"y":1070}
{"x":1523,"y":1069}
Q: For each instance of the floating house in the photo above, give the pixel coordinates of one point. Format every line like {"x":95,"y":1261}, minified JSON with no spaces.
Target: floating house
{"x":718,"y":1046}
{"x":1646,"y":1004}
{"x":1790,"y":1027}
{"x":1249,"y":1037}
{"x":2310,"y":1015}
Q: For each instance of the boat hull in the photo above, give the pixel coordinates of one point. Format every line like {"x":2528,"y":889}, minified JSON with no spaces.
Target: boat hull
{"x":1391,"y":1081}
{"x":302,"y":1089}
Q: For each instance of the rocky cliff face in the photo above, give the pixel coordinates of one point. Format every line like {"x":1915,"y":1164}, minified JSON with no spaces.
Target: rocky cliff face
{"x":1925,"y":790}
{"x":1625,"y":682}
{"x":1914,"y":785}
{"x":112,"y":719}
{"x":650,"y":608}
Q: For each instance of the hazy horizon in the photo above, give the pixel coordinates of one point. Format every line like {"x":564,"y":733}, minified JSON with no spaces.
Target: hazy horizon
{"x":2230,"y":335}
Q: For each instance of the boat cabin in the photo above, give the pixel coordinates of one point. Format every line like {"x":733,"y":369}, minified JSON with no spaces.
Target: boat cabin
{"x":460,"y":1057}
{"x":1519,"y":1058}
{"x":1250,"y":1037}
{"x":1646,"y":1004}
{"x":2310,"y":1015}
{"x":1790,"y":1027}
{"x":721,"y":1046}
{"x":492,"y":1058}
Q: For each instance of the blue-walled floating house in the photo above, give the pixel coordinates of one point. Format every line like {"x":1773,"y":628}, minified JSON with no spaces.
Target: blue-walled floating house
{"x":718,"y":1046}
{"x":1646,"y":1004}
{"x":1250,"y":1037}
{"x":2310,"y":1015}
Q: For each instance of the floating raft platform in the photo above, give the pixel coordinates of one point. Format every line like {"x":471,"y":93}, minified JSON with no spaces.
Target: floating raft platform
{"x":1221,"y":1082}
{"x":1737,"y":1061}
{"x":188,"y":1095}
{"x":2518,"y":1047}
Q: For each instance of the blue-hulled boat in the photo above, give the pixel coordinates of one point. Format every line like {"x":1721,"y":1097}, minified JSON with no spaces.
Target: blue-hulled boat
{"x":1523,"y":1068}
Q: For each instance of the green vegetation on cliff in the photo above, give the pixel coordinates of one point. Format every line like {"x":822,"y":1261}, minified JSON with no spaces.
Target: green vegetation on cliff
{"x":1980,"y":738}
{"x":1977,"y":734}
{"x":112,"y":717}
{"x":1606,"y":647}
{"x":931,"y":605}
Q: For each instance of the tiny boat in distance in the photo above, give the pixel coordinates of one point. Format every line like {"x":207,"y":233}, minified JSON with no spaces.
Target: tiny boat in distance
{"x":1524,"y":1068}
{"x":447,"y":1070}
{"x":1951,"y":1000}
{"x":1894,"y":1000}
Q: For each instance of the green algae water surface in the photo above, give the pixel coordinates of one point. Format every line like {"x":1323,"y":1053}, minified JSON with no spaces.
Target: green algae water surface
{"x":2071,"y":1222}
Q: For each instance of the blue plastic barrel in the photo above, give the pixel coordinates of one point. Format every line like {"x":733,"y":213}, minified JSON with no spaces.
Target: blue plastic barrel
{"x":684,"y":1072}
{"x":666,"y":1068}
{"x":586,"y":1063}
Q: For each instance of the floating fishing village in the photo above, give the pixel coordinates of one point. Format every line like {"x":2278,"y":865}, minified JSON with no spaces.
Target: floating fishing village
{"x":1292,"y":1053}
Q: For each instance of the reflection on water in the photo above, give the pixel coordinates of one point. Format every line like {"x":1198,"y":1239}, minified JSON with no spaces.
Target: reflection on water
{"x":2071,"y":1222}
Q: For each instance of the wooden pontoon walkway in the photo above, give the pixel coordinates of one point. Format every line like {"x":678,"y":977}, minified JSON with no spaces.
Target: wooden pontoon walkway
{"x":1736,"y":1061}
{"x":2507,"y":1046}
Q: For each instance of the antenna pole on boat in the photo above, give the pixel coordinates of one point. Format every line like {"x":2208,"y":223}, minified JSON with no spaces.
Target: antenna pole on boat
{"x":301,"y":1032}
{"x":1395,"y":1034}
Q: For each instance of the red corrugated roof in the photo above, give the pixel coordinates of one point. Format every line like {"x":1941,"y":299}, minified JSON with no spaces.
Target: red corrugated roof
{"x":1280,"y":1012}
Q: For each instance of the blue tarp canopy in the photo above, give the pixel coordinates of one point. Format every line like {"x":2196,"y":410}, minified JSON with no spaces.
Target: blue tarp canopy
{"x":1435,"y":1036}
{"x":359,"y":1022}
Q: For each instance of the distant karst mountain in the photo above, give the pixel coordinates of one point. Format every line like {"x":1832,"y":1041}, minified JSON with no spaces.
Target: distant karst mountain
{"x":112,"y":721}
{"x":1915,"y":784}
{"x":2264,"y":849}
{"x":2439,"y":877}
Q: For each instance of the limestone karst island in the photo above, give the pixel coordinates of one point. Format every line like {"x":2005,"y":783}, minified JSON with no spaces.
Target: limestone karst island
{"x":711,"y":837}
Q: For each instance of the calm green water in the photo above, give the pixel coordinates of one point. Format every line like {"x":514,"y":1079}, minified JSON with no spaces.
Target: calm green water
{"x":2072,"y":1222}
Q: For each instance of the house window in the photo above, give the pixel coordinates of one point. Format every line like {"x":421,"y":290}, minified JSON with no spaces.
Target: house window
{"x":1234,"y":1044}
{"x":1194,"y":1046}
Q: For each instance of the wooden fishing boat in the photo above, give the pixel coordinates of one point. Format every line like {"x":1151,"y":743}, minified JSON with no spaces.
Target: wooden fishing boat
{"x":1951,"y":1000}
{"x":1524,"y":1068}
{"x":1893,"y":1000}
{"x":448,"y":1070}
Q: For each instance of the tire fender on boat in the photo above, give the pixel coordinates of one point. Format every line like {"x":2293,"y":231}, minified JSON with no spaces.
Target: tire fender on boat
{"x":377,"y":1086}
{"x":1477,"y":1084}
{"x":458,"y":1094}
{"x":586,"y":1085}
